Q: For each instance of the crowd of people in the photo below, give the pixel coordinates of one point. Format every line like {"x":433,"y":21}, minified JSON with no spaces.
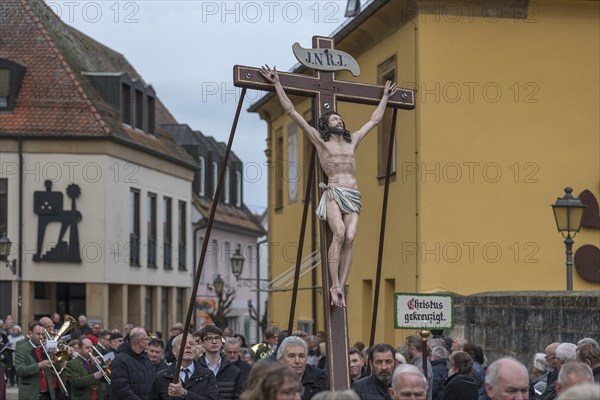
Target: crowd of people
{"x":92,"y":363}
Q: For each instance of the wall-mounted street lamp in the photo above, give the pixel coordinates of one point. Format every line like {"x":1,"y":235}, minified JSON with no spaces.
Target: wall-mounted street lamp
{"x":568,"y":211}
{"x":237,"y":264}
{"x":5,"y":245}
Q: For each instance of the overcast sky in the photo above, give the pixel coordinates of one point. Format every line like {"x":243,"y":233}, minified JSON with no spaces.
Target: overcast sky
{"x":187,"y":49}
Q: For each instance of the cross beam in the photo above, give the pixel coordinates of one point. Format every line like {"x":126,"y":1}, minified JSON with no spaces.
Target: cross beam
{"x":326,"y":91}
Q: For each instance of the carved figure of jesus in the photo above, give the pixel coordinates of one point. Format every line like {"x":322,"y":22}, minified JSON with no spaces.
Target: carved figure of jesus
{"x":341,"y":201}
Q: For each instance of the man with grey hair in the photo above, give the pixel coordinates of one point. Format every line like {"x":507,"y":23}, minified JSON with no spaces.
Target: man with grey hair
{"x":573,"y":374}
{"x":584,"y":391}
{"x":439,"y":365}
{"x":293,"y":352}
{"x":550,"y":352}
{"x":507,"y":379}
{"x":232,"y":350}
{"x":408,"y":382}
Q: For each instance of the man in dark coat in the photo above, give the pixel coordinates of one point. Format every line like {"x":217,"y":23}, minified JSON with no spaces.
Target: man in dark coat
{"x":382,"y":362}
{"x":195,"y":381}
{"x":439,"y":365}
{"x":293,"y":352}
{"x":227,"y":374}
{"x":131,"y":372}
{"x":233,"y":348}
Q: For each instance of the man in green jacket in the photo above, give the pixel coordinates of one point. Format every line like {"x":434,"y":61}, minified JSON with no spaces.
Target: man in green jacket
{"x":36,"y":379}
{"x":84,"y":375}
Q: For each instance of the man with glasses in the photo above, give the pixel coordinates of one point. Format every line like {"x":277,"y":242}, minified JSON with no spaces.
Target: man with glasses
{"x":550,"y":391}
{"x":293,"y":352}
{"x":228,"y":375}
{"x":563,"y":353}
{"x":131,"y":371}
{"x":103,"y":345}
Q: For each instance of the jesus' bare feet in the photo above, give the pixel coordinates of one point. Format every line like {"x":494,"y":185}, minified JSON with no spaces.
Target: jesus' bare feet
{"x":337,"y":296}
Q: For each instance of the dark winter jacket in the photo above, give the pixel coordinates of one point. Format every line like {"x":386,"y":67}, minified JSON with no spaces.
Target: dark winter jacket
{"x":371,"y":388}
{"x":314,"y":381}
{"x":228,"y":379}
{"x":131,"y":375}
{"x":202,"y":385}
{"x":460,"y":387}
{"x":245,"y":369}
{"x":440,"y":373}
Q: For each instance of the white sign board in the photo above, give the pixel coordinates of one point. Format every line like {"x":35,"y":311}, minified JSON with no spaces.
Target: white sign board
{"x":423,"y":311}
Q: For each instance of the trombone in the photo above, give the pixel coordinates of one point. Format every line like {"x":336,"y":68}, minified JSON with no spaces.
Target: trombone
{"x":98,"y":366}
{"x":106,"y":372}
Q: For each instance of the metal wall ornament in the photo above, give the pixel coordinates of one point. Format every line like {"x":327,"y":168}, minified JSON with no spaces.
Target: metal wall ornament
{"x":48,"y":205}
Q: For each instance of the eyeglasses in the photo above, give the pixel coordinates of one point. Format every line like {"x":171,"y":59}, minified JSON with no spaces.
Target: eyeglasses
{"x":212,"y":338}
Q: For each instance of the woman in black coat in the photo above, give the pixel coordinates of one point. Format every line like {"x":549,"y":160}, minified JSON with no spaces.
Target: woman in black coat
{"x":460,"y":385}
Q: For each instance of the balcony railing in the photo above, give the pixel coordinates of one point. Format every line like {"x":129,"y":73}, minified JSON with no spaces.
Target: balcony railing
{"x":152,"y":253}
{"x":182,"y":266}
{"x":167,"y":257}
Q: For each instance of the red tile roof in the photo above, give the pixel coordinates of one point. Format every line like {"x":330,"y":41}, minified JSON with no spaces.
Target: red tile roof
{"x":56,"y":98}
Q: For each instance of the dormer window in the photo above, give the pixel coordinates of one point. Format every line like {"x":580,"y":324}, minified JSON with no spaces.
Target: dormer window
{"x":151,"y":115}
{"x":135,"y":100}
{"x":126,"y":104}
{"x":11,"y":77}
{"x":139,"y":109}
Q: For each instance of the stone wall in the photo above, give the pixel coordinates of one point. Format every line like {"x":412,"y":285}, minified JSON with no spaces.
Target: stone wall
{"x":520,"y":324}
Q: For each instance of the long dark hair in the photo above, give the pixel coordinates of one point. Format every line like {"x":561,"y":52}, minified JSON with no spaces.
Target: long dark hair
{"x":326,"y":130}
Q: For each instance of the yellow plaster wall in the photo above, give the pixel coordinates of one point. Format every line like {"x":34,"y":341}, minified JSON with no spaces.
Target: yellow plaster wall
{"x":506,"y":117}
{"x":500,"y":155}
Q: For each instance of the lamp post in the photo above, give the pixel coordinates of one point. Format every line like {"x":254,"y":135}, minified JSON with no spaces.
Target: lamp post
{"x":5,"y":245}
{"x":237,"y":267}
{"x":237,"y":264}
{"x":568,"y":211}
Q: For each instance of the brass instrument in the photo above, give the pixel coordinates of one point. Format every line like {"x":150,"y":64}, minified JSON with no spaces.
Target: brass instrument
{"x":99,"y":367}
{"x":105,"y":370}
{"x":261,"y":350}
{"x":61,"y":354}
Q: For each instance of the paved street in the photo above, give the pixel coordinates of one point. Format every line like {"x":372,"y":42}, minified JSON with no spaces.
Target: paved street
{"x":12,"y":393}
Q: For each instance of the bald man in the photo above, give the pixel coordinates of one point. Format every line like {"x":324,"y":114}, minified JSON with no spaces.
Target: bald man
{"x":507,"y":379}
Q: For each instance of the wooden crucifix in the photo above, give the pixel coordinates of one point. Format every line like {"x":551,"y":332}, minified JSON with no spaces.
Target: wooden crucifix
{"x":326,"y":91}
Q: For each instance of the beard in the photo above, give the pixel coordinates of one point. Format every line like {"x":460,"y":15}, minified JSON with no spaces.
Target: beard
{"x":336,"y":130}
{"x":385,"y":377}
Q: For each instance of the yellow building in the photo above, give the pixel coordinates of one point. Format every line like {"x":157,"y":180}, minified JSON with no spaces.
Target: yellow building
{"x":506,"y":118}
